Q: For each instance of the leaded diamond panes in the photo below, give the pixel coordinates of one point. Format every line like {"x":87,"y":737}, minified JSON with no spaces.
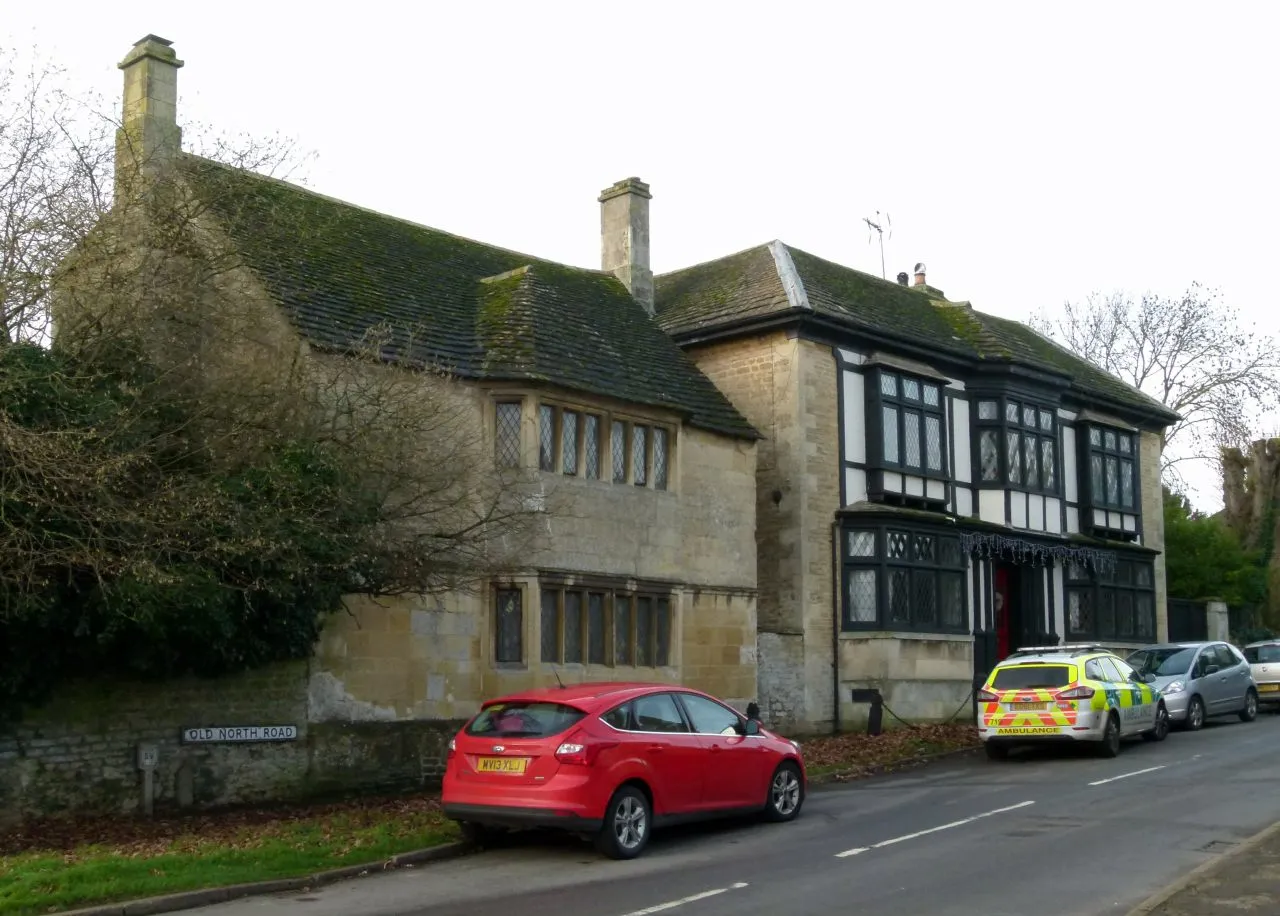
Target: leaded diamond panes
{"x":1031,"y":457}
{"x":1013,"y":450}
{"x":1143,"y":575}
{"x":988,"y":410}
{"x":890,"y":434}
{"x":662,"y":631}
{"x":1095,"y":437}
{"x":949,"y":552}
{"x":595,"y":628}
{"x":621,"y":629}
{"x":550,"y":625}
{"x":862,"y":596}
{"x":1079,"y":611}
{"x":1146,"y":617}
{"x":1126,"y":443}
{"x":951,"y":599}
{"x":591,"y":445}
{"x":1095,"y":477}
{"x":933,"y":442}
{"x":659,"y":458}
{"x":1113,"y":481}
{"x":509,"y":628}
{"x":1125,"y":627}
{"x":989,"y":454}
{"x":569,"y":442}
{"x":911,"y":438}
{"x":1109,"y":440}
{"x":922,"y":548}
{"x":546,"y":437}
{"x":889,"y":384}
{"x":507,"y":438}
{"x":910,"y":389}
{"x":1029,"y":417}
{"x":1126,"y":484}
{"x":932,"y":396}
{"x":897,"y":545}
{"x":640,"y":454}
{"x":1048,"y":465}
{"x":899,"y":596}
{"x":1046,"y":420}
{"x":1106,"y":611}
{"x":644,"y":632}
{"x":572,"y":628}
{"x":1011,"y":412}
{"x":924,"y":587}
{"x":861,"y":543}
{"x":618,"y":448}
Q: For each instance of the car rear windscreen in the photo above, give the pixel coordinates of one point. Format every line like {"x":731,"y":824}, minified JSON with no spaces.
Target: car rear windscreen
{"x":1262,"y":655}
{"x":1026,"y":677}
{"x":524,"y":720}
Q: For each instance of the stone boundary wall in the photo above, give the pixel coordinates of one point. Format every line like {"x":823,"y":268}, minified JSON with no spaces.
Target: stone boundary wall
{"x":78,"y":754}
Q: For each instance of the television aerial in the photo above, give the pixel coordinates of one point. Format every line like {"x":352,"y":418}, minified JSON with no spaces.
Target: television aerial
{"x":879,"y":225}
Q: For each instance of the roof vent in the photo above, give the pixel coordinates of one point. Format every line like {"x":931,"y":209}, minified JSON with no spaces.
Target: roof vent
{"x":920,"y":274}
{"x":902,"y":278}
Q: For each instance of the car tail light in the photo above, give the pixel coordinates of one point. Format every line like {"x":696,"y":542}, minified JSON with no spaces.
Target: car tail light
{"x":453,"y":746}
{"x":986,"y":696}
{"x":579,"y":750}
{"x":1076,"y":693}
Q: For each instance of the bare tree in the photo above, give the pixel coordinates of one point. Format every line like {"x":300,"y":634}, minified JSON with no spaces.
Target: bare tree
{"x":1190,"y":352}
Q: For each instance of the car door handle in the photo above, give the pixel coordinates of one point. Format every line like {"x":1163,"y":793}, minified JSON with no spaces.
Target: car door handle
{"x":657,"y":748}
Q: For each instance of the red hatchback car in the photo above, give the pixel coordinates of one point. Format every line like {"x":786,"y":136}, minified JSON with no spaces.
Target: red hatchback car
{"x":613,"y":761}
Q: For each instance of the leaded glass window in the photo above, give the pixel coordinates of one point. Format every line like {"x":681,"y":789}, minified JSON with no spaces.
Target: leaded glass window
{"x":507,"y":438}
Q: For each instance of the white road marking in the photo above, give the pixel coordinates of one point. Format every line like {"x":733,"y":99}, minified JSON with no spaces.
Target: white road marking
{"x":1101,"y":782}
{"x":692,"y":898}
{"x":911,"y":836}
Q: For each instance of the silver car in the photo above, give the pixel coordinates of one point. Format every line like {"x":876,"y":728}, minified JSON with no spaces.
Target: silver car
{"x":1199,"y":680}
{"x":1264,"y":660}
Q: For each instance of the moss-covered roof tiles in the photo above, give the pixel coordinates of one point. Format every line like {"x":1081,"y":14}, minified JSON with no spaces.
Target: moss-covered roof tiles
{"x":339,"y":271}
{"x":749,"y":285}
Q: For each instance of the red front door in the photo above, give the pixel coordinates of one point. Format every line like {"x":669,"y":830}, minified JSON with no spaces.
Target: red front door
{"x":1001,"y":607}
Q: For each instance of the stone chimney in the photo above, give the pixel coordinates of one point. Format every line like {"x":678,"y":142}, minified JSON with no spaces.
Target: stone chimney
{"x":919,"y":281}
{"x":624,"y":237}
{"x":149,"y":134}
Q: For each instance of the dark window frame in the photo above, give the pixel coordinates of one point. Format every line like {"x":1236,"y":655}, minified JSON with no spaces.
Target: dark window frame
{"x":878,"y":399}
{"x":943,"y":569}
{"x":1004,"y":426}
{"x":617,"y":605}
{"x":1095,"y":500}
{"x":508,"y":454}
{"x":1121,"y":603}
{"x":501,"y":592}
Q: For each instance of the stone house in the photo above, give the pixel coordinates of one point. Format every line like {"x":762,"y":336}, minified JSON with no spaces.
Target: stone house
{"x":936,"y":486}
{"x":571,"y":379}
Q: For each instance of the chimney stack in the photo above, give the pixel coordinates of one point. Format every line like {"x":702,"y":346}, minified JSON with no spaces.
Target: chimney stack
{"x":624,"y":237}
{"x":919,"y":274}
{"x":149,"y":133}
{"x":902,"y":278}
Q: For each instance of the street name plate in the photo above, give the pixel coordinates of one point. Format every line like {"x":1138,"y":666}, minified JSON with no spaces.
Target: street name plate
{"x":239,"y":734}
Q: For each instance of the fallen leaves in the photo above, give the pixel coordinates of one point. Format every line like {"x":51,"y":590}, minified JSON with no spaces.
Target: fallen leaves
{"x":850,"y":756}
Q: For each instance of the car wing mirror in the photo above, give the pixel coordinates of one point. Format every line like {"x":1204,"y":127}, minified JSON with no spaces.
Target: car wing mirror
{"x":751,"y":727}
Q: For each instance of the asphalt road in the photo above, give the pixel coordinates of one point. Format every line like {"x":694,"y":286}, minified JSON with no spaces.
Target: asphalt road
{"x":1049,"y":834}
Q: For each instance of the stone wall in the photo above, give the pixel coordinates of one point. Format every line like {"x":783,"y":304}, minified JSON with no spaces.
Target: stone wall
{"x":79,"y":752}
{"x":922,"y":678}
{"x":786,"y":387}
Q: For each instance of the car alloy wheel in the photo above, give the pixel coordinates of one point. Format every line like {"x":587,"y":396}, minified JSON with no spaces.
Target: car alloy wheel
{"x":1160,"y":730}
{"x":1250,"y":711}
{"x":1195,"y":714}
{"x":786,"y":793}
{"x":1111,"y":737}
{"x":625,"y":832}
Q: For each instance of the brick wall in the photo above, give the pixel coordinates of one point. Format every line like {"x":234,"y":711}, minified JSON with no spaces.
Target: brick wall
{"x":79,"y":752}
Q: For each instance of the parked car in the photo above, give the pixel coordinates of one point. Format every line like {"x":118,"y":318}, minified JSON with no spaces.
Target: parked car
{"x":1067,"y":694}
{"x":1264,"y":664}
{"x":1199,"y":680}
{"x":613,"y":761}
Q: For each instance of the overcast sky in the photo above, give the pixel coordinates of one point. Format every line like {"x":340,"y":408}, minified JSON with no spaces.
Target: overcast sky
{"x":1028,"y":157}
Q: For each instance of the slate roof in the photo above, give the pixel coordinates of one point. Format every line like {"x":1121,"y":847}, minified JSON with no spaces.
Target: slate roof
{"x":339,"y":270}
{"x":749,"y":285}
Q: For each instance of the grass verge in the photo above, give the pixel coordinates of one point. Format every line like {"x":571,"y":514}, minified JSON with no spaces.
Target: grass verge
{"x":53,"y":866}
{"x":841,"y":758}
